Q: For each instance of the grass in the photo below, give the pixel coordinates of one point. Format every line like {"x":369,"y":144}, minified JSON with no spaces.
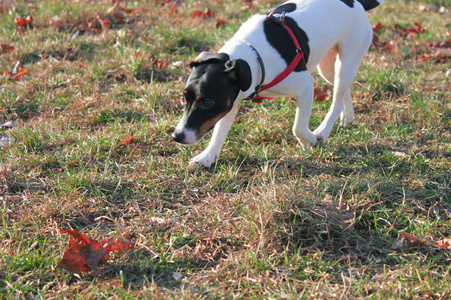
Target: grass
{"x":270,"y":220}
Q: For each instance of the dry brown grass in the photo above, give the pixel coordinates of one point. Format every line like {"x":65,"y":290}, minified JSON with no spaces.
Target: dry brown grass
{"x":270,"y":220}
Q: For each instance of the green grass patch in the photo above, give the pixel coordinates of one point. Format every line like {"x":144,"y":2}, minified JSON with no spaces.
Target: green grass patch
{"x":270,"y":220}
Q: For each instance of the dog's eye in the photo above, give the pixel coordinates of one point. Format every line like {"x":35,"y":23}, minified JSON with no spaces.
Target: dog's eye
{"x":182,"y":100}
{"x":206,"y":103}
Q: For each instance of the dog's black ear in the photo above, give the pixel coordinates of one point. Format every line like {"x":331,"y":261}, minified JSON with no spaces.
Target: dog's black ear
{"x":208,"y":57}
{"x":241,"y":70}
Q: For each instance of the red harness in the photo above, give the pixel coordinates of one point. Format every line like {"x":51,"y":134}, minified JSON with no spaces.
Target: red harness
{"x":299,"y":56}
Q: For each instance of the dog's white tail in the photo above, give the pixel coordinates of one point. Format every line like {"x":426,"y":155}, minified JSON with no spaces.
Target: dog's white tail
{"x":370,"y":4}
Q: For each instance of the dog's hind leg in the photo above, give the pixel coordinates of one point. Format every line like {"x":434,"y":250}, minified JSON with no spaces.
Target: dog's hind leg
{"x":326,"y":69}
{"x":346,"y":66}
{"x":303,"y":110}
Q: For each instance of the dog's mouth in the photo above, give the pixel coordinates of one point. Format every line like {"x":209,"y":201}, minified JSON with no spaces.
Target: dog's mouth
{"x":188,"y":136}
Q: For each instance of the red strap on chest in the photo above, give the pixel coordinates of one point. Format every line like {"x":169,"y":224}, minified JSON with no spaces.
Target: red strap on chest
{"x":299,"y":56}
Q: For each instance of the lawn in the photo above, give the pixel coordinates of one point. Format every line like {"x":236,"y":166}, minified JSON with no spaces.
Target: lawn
{"x":365,"y":215}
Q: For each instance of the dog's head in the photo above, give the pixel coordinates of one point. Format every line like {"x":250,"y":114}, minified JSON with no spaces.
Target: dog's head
{"x":210,"y":93}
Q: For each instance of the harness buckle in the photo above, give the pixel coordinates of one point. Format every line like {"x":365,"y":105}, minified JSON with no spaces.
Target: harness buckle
{"x":282,"y":18}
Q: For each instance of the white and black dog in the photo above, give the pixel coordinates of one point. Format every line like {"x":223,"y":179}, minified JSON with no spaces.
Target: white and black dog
{"x":273,"y":56}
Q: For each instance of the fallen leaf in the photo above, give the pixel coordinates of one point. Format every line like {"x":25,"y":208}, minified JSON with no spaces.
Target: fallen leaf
{"x":119,"y":245}
{"x":160,"y":64}
{"x":127,"y":140}
{"x":196,"y":14}
{"x":18,"y":72}
{"x":321,"y":94}
{"x":6,"y":48}
{"x":415,"y":241}
{"x":174,"y":11}
{"x":208,"y":13}
{"x":378,"y":26}
{"x":73,"y":163}
{"x":445,"y":243}
{"x":417,"y":29}
{"x":86,"y":254}
{"x":23,"y":23}
{"x":219,"y":23}
{"x":20,"y":22}
{"x":106,"y":23}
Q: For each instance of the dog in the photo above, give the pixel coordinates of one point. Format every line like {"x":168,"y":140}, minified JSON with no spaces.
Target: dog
{"x":273,"y":56}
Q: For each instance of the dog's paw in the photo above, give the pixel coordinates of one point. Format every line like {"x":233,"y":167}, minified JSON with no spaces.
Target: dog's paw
{"x":205,"y":160}
{"x":346,"y":118}
{"x":307,"y":140}
{"x":321,"y":136}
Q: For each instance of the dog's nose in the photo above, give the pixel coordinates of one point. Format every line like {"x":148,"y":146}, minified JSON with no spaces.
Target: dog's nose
{"x":179,"y":137}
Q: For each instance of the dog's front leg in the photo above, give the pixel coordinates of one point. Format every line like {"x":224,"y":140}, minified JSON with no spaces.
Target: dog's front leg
{"x":303,"y":110}
{"x":211,"y":153}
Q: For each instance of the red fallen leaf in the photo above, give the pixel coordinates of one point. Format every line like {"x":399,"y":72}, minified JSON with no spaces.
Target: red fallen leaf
{"x":73,"y":163}
{"x":86,"y":254}
{"x":106,"y":23}
{"x":127,"y":140}
{"x":196,"y":14}
{"x":26,"y":21}
{"x":6,"y":48}
{"x":160,"y":64}
{"x":417,"y":29}
{"x":174,"y":11}
{"x":139,"y":54}
{"x":20,"y":22}
{"x":445,"y":243}
{"x":119,"y":245}
{"x":219,"y":23}
{"x":321,"y":94}
{"x":208,"y":13}
{"x":19,"y":72}
{"x":378,"y":26}
{"x":415,"y":241}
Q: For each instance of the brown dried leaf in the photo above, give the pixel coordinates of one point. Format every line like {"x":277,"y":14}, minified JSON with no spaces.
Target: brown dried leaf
{"x":444,"y":243}
{"x":127,"y":140}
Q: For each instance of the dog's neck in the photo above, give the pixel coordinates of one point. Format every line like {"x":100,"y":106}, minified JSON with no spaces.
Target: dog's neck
{"x":240,"y":49}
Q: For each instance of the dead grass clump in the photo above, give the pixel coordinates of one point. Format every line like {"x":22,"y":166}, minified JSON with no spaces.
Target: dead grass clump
{"x":289,"y":217}
{"x":312,"y":225}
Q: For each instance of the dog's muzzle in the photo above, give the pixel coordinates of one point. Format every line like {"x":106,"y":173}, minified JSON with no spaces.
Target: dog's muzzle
{"x":185,"y":136}
{"x":179,"y":137}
